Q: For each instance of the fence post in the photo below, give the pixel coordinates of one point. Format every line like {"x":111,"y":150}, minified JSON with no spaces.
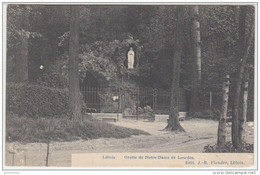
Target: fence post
{"x":138,"y":103}
{"x":153,"y":100}
{"x":47,"y":153}
{"x":13,"y":154}
{"x":123,"y":101}
{"x":210,"y":99}
{"x":118,"y":103}
{"x":222,"y":119}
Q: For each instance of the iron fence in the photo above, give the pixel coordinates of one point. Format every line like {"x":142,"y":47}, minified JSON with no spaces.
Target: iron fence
{"x":103,"y":99}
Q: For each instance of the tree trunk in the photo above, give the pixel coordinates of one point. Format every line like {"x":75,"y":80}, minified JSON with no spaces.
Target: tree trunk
{"x":222,"y":120}
{"x":196,"y":47}
{"x":242,"y":54}
{"x":173,"y":122}
{"x":242,"y":124}
{"x":74,"y":92}
{"x":21,"y":56}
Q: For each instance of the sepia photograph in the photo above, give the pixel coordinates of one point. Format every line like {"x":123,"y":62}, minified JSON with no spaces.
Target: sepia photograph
{"x":129,"y":85}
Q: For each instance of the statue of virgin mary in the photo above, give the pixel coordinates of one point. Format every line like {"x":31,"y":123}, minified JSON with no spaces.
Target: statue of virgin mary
{"x":130,"y":58}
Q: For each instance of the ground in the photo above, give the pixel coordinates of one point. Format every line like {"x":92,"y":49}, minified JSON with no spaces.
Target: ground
{"x":199,"y":133}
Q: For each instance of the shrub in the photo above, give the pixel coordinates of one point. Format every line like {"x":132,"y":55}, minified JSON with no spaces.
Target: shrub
{"x":206,"y":114}
{"x":147,"y":113}
{"x":246,"y":148}
{"x":53,"y":79}
{"x":36,"y":101}
{"x":107,"y":102}
{"x":29,"y":130}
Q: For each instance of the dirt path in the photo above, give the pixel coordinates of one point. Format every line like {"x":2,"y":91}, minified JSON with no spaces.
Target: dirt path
{"x":198,"y":134}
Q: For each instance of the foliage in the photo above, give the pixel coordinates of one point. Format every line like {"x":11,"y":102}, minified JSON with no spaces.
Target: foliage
{"x":104,"y":41}
{"x":147,"y":113}
{"x":206,"y":114}
{"x":54,"y":75}
{"x":130,"y":101}
{"x":29,"y":130}
{"x":105,"y":60}
{"x":36,"y":101}
{"x":53,"y":79}
{"x":246,"y":148}
{"x":15,"y":25}
{"x":108,"y":104}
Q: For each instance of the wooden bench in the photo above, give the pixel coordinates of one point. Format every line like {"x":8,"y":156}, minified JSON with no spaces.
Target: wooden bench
{"x":107,"y":119}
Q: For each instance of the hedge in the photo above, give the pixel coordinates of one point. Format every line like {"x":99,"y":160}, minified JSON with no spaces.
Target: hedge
{"x":36,"y":101}
{"x":30,"y":130}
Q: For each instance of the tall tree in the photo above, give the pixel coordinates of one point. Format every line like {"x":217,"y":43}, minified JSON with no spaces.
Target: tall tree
{"x":242,"y":52}
{"x":173,"y":122}
{"x":21,"y":55}
{"x":222,"y":120}
{"x":196,"y":54}
{"x":74,"y":92}
{"x":242,"y":124}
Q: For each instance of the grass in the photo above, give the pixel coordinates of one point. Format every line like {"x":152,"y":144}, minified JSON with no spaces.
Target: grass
{"x":29,"y":130}
{"x":246,"y":148}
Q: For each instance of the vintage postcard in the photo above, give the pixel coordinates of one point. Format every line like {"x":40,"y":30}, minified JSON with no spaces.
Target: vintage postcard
{"x":130,"y":85}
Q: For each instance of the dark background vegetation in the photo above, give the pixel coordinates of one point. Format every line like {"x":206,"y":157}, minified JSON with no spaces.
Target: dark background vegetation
{"x":106,"y":32}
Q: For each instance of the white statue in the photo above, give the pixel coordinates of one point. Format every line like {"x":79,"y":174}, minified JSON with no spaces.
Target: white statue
{"x":130,"y":58}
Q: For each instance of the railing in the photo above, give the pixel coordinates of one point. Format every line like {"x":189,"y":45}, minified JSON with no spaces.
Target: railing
{"x":105,"y":99}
